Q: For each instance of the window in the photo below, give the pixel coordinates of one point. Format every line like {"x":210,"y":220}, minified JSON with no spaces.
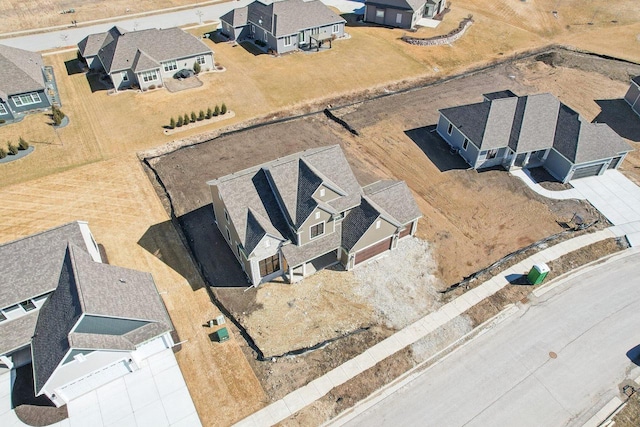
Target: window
{"x":322,"y":192}
{"x":378,"y":222}
{"x":28,"y":305}
{"x":239,"y":250}
{"x":29,"y":98}
{"x":398,"y":18}
{"x":149,"y":76}
{"x":125,"y":76}
{"x":287,"y":41}
{"x":3,"y":109}
{"x":465,"y":144}
{"x":269,"y":265}
{"x":301,"y":37}
{"x":253,"y":29}
{"x":317,"y":216}
{"x":317,"y":230}
{"x":267,"y":243}
{"x":201,"y":60}
{"x":335,"y":29}
{"x":380,"y":13}
{"x":228,"y":235}
{"x":265,"y":36}
{"x":226,"y":215}
{"x":450,"y":129}
{"x":491,"y":154}
{"x":170,"y":65}
{"x":315,"y":30}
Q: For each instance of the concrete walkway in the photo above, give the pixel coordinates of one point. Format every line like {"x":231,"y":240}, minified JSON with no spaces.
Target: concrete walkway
{"x":300,"y":398}
{"x":612,"y":193}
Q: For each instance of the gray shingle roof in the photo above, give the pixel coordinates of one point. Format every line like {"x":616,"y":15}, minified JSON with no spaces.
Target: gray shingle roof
{"x":412,"y":5}
{"x":98,"y":289}
{"x":636,"y":80}
{"x":356,"y":223}
{"x":292,"y":179}
{"x":30,"y":266}
{"x":236,"y":17}
{"x":121,"y":50}
{"x":18,"y":332}
{"x":297,"y":255}
{"x":499,"y":95}
{"x":20,"y":71}
{"x":535,"y":122}
{"x":284,"y":17}
{"x":395,"y":199}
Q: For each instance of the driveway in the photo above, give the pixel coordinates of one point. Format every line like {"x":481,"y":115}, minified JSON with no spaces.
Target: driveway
{"x":155,"y":395}
{"x":612,"y":193}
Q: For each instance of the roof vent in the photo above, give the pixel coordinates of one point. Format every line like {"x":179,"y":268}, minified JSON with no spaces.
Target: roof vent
{"x":122,"y":281}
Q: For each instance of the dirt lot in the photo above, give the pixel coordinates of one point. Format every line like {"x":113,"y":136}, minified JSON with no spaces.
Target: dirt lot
{"x":469,"y":216}
{"x":120,"y":205}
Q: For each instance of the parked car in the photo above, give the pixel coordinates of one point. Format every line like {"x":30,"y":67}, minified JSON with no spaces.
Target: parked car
{"x":185,"y":73}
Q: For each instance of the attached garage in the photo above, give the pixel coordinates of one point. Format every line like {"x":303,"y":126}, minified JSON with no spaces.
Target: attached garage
{"x":406,"y":231}
{"x":615,"y":162}
{"x":373,"y":250}
{"x":586,"y":171}
{"x":93,"y":380}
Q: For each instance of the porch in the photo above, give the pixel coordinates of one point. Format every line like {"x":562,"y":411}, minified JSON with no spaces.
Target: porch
{"x":302,"y":261}
{"x":531,"y":159}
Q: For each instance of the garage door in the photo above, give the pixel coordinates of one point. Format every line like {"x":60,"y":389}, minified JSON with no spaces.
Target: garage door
{"x":406,"y":231}
{"x":374,"y":250}
{"x":614,"y":162}
{"x":586,"y":171}
{"x":92,"y":381}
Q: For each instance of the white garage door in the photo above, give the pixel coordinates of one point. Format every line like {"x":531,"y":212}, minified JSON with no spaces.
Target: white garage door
{"x":92,"y":381}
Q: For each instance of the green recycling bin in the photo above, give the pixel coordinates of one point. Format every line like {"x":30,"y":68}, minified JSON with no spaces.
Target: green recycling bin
{"x":538,"y":273}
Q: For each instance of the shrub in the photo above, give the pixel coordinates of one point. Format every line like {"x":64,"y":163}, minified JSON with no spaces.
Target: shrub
{"x":216,"y":111}
{"x":57,"y":115}
{"x":151,"y":87}
{"x":223,"y":109}
{"x":3,"y":153}
{"x":193,"y":117}
{"x":2,"y":121}
{"x":186,"y":119}
{"x":201,"y":115}
{"x":172,"y":123}
{"x":180,"y":122}
{"x":196,"y":67}
{"x":13,"y":149}
{"x":209,"y":113}
{"x":22,"y":144}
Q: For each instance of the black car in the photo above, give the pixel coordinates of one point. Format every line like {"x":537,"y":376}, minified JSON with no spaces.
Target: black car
{"x":185,"y":73}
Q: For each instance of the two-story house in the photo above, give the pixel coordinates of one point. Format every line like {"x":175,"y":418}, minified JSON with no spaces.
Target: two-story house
{"x":302,"y":212}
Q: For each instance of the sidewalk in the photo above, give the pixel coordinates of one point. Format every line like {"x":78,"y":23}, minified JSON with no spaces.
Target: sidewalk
{"x":300,"y":398}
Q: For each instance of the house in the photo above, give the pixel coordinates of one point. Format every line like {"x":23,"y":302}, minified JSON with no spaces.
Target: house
{"x":23,"y":83}
{"x":530,"y":131}
{"x":633,"y":95}
{"x":81,"y":323}
{"x":401,"y":13}
{"x":284,"y":25}
{"x":144,"y":58}
{"x":302,"y":212}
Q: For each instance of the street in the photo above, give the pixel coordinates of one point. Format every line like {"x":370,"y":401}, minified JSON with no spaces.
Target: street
{"x":555,"y":362}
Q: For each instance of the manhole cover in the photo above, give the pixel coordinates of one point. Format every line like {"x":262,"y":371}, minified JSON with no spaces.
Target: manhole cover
{"x":552,"y":355}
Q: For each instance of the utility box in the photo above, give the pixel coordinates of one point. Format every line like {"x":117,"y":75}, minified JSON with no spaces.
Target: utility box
{"x":221,"y":335}
{"x":538,"y":273}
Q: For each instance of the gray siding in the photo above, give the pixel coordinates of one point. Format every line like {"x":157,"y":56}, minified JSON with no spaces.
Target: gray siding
{"x":482,"y":161}
{"x":373,"y":235}
{"x":391,"y":15}
{"x":456,"y":140}
{"x":557,"y":165}
{"x":44,"y":103}
{"x":305,"y":228}
{"x":108,"y":325}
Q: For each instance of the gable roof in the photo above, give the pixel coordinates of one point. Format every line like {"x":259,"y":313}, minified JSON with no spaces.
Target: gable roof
{"x":92,"y":288}
{"x":394,"y":199}
{"x":534,"y":122}
{"x":277,"y":196}
{"x":283,"y":17}
{"x":20,"y":71}
{"x":356,"y":223}
{"x":141,"y":50}
{"x":412,"y":5}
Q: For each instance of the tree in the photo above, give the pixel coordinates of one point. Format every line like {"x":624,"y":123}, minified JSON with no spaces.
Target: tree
{"x":186,"y":119}
{"x":57,"y":115}
{"x":180,"y":122}
{"x":216,"y":111}
{"x":201,"y":115}
{"x":22,"y":144}
{"x":196,"y":67}
{"x":12,"y":148}
{"x":209,"y":113}
{"x":172,"y":123}
{"x":3,"y":153}
{"x":193,"y":116}
{"x":223,"y":109}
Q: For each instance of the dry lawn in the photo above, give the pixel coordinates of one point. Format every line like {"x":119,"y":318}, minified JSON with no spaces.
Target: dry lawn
{"x":125,"y":216}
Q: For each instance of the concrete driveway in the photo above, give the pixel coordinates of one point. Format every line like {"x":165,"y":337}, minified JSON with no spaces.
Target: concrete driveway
{"x":155,"y":395}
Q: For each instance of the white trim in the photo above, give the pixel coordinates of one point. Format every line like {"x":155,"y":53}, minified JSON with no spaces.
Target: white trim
{"x":170,"y":65}
{"x":3,"y":109}
{"x":20,"y":100}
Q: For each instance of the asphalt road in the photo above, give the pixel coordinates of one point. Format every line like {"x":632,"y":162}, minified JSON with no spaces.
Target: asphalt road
{"x":509,"y":377}
{"x":70,"y":37}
